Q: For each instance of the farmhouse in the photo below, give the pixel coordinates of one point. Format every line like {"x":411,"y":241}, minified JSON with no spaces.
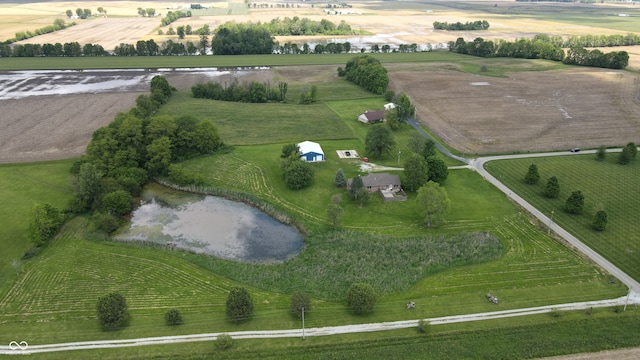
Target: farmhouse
{"x":379,"y":181}
{"x":371,"y":116}
{"x":311,"y":151}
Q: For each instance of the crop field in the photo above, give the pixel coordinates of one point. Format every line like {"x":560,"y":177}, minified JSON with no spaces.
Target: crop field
{"x":605,"y":185}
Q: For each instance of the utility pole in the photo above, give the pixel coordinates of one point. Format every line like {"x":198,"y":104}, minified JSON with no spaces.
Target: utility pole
{"x":626,"y":301}
{"x":550,"y":222}
{"x":303,"y":323}
{"x":399,"y":157}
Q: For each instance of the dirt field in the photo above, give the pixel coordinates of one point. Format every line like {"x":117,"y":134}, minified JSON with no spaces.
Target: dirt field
{"x":528,"y":111}
{"x":624,"y":354}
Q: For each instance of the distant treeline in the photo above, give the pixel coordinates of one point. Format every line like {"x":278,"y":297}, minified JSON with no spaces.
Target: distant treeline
{"x":475,"y":25}
{"x":296,"y":26}
{"x":71,"y":49}
{"x":592,"y":40}
{"x":58,"y":24}
{"x":173,"y":16}
{"x":254,"y":92}
{"x":540,"y":48}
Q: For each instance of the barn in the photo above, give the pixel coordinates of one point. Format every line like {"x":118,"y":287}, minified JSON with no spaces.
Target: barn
{"x":311,"y":151}
{"x":371,"y":116}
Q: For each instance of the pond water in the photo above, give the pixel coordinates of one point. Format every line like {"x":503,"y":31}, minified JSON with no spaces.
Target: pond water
{"x":213,"y":226}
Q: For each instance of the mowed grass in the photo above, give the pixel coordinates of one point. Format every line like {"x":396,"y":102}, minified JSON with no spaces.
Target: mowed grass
{"x":605,"y":185}
{"x":22,"y":186}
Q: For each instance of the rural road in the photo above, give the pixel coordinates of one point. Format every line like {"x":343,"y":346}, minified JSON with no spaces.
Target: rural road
{"x":15,"y":348}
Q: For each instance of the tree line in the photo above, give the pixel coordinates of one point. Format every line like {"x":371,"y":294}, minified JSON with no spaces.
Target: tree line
{"x":58,"y":24}
{"x":540,"y":48}
{"x":253,"y":92}
{"x":305,"y":26}
{"x":241,"y":39}
{"x":469,"y":25}
{"x":173,"y":16}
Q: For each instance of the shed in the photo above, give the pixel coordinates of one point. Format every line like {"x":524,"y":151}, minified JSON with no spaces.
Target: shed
{"x":311,"y":151}
{"x":389,"y":106}
{"x":371,"y":116}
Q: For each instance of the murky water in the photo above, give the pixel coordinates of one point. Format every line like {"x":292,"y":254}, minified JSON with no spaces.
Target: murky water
{"x":213,"y":226}
{"x":20,"y":84}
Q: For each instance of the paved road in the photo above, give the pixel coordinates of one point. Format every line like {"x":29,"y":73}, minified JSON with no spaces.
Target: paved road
{"x":13,"y":348}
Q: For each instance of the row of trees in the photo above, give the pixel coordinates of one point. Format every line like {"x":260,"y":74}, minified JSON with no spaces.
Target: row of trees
{"x":629,"y":39}
{"x":241,"y":39}
{"x":70,"y":49}
{"x":366,"y":71}
{"x":540,"y":48}
{"x":305,"y":26}
{"x":58,"y":24}
{"x":173,"y":16}
{"x":150,"y":12}
{"x":84,"y":13}
{"x":469,"y":25}
{"x":574,"y":203}
{"x":253,"y":92}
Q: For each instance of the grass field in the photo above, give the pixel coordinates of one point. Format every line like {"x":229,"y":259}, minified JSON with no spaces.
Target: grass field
{"x":605,"y":185}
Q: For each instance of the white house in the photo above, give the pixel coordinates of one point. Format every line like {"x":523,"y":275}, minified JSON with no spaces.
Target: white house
{"x":389,"y":106}
{"x":311,"y":151}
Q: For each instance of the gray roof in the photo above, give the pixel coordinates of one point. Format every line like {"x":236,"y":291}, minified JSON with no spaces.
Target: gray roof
{"x":380,"y":179}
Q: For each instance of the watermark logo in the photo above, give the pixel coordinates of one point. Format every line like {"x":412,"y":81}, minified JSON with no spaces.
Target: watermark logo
{"x":22,"y":345}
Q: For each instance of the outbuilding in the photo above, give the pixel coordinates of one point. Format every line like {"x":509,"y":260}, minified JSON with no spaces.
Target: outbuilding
{"x":371,"y":116}
{"x":311,"y":151}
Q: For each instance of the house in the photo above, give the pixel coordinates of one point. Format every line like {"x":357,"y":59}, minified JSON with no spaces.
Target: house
{"x":311,"y":151}
{"x":379,"y":181}
{"x":371,"y":116}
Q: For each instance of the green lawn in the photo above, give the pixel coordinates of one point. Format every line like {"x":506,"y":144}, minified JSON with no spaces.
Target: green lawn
{"x":605,"y":185}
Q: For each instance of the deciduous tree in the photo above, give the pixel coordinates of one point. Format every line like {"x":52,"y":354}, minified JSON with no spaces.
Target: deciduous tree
{"x":117,"y":203}
{"x":601,"y":153}
{"x":298,"y":174}
{"x":112,"y":311}
{"x":379,"y":141}
{"x":361,"y":298}
{"x":432,"y":202}
{"x":173,"y":317}
{"x":334,"y":214}
{"x":239,"y":306}
{"x":416,"y":172}
{"x":44,"y":222}
{"x":356,"y":184}
{"x":438,"y":170}
{"x":299,"y":301}
{"x":599,"y":221}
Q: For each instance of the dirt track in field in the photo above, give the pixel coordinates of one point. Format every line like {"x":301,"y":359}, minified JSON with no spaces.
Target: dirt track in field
{"x":623,"y":354}
{"x":527,"y":111}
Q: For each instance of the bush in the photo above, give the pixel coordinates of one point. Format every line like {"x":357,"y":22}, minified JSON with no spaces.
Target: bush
{"x":361,"y":298}
{"x":423,"y":326}
{"x":575,"y":203}
{"x":299,"y":301}
{"x":599,"y":221}
{"x":105,"y":222}
{"x":297,"y":174}
{"x":117,"y":203}
{"x":224,"y":341}
{"x":173,"y":317}
{"x":239,"y":304}
{"x":112,"y":311}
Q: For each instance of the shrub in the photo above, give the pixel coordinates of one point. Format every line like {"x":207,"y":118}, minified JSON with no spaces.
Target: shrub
{"x":423,"y":326}
{"x":599,"y":221}
{"x":361,"y":298}
{"x":532,"y":176}
{"x":224,"y":341}
{"x":173,"y":317}
{"x":299,"y":301}
{"x":575,"y":203}
{"x":117,"y":203}
{"x":556,"y":313}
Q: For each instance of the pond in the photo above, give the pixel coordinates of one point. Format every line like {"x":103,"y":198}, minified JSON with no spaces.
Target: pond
{"x":210,"y":225}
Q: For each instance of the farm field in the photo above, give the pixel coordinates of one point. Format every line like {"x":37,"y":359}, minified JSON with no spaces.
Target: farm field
{"x":487,"y":245}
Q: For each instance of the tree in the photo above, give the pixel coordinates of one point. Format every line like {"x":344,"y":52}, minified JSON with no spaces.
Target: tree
{"x":173,"y":317}
{"x":112,"y":311}
{"x":290,"y":150}
{"x":297,"y":174}
{"x":361,"y":298}
{"x":180,"y":32}
{"x":575,"y":203}
{"x":432,"y":202}
{"x":363,"y":196}
{"x":599,"y":221}
{"x":117,"y":203}
{"x":379,"y":141}
{"x":429,"y":148}
{"x":340,"y":180}
{"x":552,"y":189}
{"x":601,"y":153}
{"x":404,"y":108}
{"x":159,"y":156}
{"x":239,"y":304}
{"x":391,"y":117}
{"x":625,"y":156}
{"x":299,"y":301}
{"x":224,"y":342}
{"x":356,"y":184}
{"x":416,"y":172}
{"x":69,"y":13}
{"x":416,"y":143}
{"x":44,"y":222}
{"x":334,"y":214}
{"x":438,"y":170}
{"x":532,"y":176}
